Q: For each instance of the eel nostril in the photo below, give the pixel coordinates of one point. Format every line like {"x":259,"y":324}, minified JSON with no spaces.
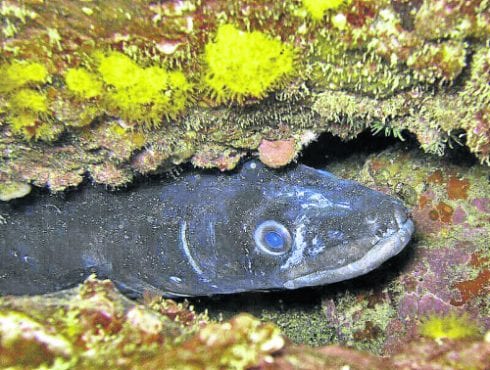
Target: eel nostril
{"x":380,"y":232}
{"x":401,"y":216}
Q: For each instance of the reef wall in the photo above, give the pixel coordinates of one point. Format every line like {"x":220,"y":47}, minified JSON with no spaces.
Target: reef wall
{"x":116,"y":89}
{"x":94,"y":327}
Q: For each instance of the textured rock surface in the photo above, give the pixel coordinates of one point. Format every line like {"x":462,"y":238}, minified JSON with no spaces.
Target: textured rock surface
{"x":93,"y":326}
{"x":139,"y":87}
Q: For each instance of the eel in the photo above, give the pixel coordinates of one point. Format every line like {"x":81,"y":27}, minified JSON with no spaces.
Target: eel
{"x":203,"y":233}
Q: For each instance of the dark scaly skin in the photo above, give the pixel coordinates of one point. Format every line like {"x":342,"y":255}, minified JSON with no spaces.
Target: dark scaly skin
{"x":201,"y":234}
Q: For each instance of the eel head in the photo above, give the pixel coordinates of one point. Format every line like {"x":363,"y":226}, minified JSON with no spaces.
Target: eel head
{"x":305,"y":227}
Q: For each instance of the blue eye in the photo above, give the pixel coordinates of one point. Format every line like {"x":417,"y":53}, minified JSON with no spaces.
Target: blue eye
{"x":272,"y":238}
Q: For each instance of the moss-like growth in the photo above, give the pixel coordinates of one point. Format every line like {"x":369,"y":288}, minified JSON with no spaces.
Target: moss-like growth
{"x":476,"y":95}
{"x":317,"y":8}
{"x":451,"y":326}
{"x":245,"y":64}
{"x":303,"y":327}
{"x":335,"y":66}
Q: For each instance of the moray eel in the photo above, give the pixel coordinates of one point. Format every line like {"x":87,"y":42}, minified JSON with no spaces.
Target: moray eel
{"x":203,"y":233}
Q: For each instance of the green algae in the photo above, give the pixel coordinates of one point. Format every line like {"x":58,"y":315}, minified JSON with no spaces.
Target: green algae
{"x":302,"y":326}
{"x":335,"y":67}
{"x":13,"y":17}
{"x":361,"y":323}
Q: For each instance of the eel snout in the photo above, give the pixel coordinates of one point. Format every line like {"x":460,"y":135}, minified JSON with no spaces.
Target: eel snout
{"x":391,"y":229}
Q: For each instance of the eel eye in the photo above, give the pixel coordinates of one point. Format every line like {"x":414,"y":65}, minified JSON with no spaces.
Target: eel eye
{"x":272,"y":238}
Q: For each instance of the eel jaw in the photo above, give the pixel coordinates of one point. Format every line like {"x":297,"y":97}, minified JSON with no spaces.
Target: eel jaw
{"x":383,"y":250}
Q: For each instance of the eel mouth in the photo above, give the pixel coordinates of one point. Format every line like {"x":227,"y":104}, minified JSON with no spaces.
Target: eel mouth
{"x":383,"y":250}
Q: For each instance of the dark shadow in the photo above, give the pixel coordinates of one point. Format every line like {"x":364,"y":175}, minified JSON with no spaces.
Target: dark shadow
{"x":328,"y":148}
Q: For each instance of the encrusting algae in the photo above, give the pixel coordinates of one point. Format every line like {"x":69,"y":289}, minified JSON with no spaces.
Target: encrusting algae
{"x":95,"y":327}
{"x":195,"y":78}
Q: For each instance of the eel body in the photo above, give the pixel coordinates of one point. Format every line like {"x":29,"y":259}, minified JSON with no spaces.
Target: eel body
{"x":202,"y":234}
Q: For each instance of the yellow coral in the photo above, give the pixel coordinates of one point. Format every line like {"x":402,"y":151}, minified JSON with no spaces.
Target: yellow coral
{"x":29,"y":100}
{"x":317,"y":8}
{"x":143,"y":95}
{"x":22,"y":122}
{"x":28,"y":115}
{"x":83,"y":83}
{"x":24,"y":107}
{"x":450,"y":326}
{"x":19,"y":73}
{"x":118,"y":70}
{"x":31,"y":126}
{"x":245,"y":64}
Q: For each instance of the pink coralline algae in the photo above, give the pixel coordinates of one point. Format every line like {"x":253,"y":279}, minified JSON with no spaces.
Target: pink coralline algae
{"x":482,"y":204}
{"x":277,"y":153}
